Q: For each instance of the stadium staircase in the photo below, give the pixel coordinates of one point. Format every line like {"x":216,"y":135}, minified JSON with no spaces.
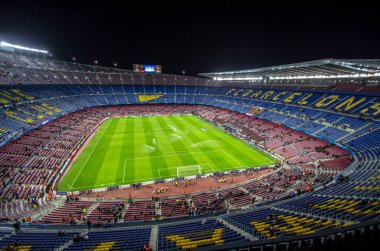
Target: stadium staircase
{"x":126,"y":205}
{"x":242,"y":231}
{"x":68,"y":243}
{"x":243,"y":189}
{"x":157,"y":208}
{"x":92,"y":207}
{"x":154,"y":237}
{"x":357,"y":130}
{"x":229,"y":205}
{"x":56,"y":204}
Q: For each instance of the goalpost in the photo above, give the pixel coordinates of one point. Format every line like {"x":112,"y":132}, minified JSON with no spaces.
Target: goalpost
{"x":184,"y":171}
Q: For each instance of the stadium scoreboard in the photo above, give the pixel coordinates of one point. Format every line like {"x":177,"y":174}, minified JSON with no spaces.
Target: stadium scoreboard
{"x":147,"y":68}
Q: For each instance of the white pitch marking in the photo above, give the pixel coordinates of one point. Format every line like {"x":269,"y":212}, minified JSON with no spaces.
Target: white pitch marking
{"x":89,"y":156}
{"x":174,"y":154}
{"x":125,"y":161}
{"x":240,"y":165}
{"x":211,"y":167}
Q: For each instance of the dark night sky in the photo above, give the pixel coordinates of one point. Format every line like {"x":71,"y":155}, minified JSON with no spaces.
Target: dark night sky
{"x":197,"y":36}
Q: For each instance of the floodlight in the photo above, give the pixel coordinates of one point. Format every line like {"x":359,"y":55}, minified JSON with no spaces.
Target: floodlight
{"x":22,"y":47}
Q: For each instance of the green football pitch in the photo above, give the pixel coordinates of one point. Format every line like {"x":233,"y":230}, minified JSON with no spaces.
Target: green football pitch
{"x":137,"y":149}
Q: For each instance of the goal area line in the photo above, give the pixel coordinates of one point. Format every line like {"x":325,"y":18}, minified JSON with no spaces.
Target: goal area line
{"x":176,"y":168}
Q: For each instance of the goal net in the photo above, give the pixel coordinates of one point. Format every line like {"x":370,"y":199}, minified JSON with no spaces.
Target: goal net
{"x":184,"y":171}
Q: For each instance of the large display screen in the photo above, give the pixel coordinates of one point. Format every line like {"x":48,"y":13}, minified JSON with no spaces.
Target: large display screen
{"x":138,"y":68}
{"x":148,"y":68}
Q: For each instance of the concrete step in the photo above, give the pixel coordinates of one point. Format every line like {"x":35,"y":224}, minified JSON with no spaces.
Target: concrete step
{"x":154,"y":237}
{"x":126,"y":205}
{"x":157,"y":208}
{"x":238,"y":230}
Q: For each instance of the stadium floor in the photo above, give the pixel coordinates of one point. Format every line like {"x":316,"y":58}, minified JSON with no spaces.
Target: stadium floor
{"x":137,"y":149}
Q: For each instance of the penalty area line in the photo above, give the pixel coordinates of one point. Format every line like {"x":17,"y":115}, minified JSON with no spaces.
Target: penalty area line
{"x":236,"y":162}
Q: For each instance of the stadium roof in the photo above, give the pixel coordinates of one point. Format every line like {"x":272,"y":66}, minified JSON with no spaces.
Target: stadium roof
{"x":318,"y":69}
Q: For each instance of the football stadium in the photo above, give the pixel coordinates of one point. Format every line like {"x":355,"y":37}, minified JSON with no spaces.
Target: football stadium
{"x":97,"y":157}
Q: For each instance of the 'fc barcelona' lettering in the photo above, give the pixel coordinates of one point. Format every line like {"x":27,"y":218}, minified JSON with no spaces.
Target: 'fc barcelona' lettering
{"x":341,"y":102}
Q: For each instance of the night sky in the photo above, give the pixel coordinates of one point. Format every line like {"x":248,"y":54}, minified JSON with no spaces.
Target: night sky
{"x":196,"y":36}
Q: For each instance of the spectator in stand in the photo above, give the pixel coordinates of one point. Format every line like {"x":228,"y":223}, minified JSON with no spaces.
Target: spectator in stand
{"x":16,"y":226}
{"x":307,"y":189}
{"x":147,"y":247}
{"x":89,"y":224}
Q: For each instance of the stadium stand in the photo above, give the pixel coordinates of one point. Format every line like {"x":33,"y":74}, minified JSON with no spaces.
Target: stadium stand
{"x":36,"y":241}
{"x":326,"y":136}
{"x":196,"y":234}
{"x":131,"y":239}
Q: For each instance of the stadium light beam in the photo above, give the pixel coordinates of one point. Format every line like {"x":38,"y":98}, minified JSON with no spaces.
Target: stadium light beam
{"x":22,"y":47}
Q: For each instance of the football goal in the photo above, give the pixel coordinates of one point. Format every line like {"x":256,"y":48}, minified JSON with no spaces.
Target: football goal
{"x":184,"y":171}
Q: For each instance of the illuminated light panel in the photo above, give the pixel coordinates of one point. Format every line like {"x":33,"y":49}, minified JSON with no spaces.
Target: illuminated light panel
{"x":328,"y":76}
{"x":232,"y":78}
{"x":303,"y":77}
{"x":22,"y":47}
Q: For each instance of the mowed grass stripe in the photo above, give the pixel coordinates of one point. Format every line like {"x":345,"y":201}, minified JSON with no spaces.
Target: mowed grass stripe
{"x":73,"y":174}
{"x":89,"y":168}
{"x":179,"y":145}
{"x":151,"y":141}
{"x":105,"y":159}
{"x":140,"y":140}
{"x":219,"y":160}
{"x":126,"y":140}
{"x":202,"y":153}
{"x":149,"y":144}
{"x":131,"y":142}
{"x":236,"y":152}
{"x":101,"y":163}
{"x":165,"y":141}
{"x":189,"y":138}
